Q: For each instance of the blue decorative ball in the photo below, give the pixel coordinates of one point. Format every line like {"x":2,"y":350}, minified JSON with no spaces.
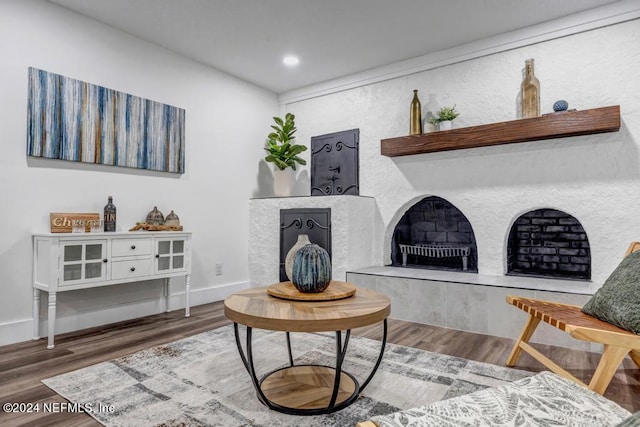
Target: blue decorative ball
{"x":561,"y":105}
{"x":311,"y":269}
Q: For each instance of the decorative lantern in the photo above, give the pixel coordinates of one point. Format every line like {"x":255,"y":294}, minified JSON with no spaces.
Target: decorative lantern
{"x":155,"y":217}
{"x":172,"y":220}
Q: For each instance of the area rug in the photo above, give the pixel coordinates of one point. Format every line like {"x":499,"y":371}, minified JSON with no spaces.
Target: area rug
{"x":201,"y":381}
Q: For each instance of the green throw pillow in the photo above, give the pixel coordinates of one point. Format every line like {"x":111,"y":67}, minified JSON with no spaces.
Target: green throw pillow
{"x":618,"y":300}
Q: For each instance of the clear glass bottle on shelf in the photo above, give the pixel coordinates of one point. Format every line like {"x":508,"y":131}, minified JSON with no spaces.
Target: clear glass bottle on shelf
{"x":530,"y":92}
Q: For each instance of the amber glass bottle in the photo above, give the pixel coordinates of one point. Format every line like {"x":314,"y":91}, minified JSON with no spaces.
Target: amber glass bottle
{"x":415,"y":127}
{"x":530,"y":92}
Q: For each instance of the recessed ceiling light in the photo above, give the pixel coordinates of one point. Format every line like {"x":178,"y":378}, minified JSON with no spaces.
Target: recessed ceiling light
{"x":290,"y":60}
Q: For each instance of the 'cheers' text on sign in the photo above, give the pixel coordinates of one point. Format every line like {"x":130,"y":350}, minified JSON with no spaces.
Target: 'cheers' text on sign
{"x":63,"y":222}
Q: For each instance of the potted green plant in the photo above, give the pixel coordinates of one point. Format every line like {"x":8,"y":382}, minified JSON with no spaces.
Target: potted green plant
{"x":283,"y":153}
{"x":445,"y":117}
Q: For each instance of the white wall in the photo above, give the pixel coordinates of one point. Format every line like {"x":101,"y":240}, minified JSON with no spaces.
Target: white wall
{"x":226,"y":123}
{"x":595,"y":178}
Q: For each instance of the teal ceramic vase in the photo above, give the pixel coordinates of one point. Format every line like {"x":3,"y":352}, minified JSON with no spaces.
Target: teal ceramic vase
{"x":311,"y":269}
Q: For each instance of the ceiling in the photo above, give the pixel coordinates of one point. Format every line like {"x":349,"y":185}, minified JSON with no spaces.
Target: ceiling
{"x":332,"y":38}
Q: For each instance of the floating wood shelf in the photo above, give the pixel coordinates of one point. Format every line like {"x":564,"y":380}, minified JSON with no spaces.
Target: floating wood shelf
{"x":549,"y":126}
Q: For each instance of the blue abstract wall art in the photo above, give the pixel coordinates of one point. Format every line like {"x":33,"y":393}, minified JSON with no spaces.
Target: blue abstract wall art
{"x":73,"y":120}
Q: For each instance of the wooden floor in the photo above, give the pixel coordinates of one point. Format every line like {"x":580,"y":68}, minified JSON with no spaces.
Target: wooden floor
{"x":23,"y":365}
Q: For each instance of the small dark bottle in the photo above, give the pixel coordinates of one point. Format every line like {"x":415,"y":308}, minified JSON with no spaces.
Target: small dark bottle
{"x":110,"y":216}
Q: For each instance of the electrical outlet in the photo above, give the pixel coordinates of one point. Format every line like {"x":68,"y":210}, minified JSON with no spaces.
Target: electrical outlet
{"x":218,"y":269}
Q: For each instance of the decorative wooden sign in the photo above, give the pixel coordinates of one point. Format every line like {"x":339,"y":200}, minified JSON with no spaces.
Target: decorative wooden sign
{"x":63,"y":222}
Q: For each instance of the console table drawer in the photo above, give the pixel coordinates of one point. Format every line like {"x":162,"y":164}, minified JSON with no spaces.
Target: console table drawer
{"x":130,"y":247}
{"x":131,"y":269}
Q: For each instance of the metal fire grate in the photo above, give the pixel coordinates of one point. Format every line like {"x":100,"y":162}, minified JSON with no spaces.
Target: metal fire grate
{"x":436,"y":251}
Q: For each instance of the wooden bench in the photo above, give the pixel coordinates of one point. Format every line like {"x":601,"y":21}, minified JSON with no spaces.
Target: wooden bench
{"x":569,"y":318}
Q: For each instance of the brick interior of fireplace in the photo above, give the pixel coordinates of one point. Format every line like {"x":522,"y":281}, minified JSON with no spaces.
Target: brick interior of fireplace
{"x":548,"y":243}
{"x":434,"y":221}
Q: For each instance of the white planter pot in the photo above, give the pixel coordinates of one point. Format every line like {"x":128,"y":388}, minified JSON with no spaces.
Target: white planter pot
{"x":282,"y":182}
{"x":446,"y":125}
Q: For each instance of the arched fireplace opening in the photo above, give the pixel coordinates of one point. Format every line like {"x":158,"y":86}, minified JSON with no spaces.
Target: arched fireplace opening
{"x":434,"y":234}
{"x":548,"y":243}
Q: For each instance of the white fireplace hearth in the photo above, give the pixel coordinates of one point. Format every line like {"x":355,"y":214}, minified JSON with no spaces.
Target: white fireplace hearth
{"x":455,"y":299}
{"x":472,"y":302}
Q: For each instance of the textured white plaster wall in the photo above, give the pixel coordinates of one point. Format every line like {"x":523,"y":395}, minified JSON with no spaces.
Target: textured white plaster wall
{"x":595,"y":178}
{"x":226,"y":123}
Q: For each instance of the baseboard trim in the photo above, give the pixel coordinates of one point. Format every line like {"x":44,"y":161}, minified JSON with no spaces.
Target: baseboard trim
{"x":16,"y":331}
{"x":22,"y":330}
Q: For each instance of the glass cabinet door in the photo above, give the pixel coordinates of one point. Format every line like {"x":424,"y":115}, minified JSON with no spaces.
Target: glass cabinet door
{"x":83,"y":261}
{"x":170,"y":255}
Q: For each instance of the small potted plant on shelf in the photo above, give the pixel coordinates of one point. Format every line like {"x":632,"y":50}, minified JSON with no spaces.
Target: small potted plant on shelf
{"x":283,"y":153}
{"x":445,"y":117}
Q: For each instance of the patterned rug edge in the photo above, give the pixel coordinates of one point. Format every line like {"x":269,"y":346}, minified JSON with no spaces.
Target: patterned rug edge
{"x":407,"y":377}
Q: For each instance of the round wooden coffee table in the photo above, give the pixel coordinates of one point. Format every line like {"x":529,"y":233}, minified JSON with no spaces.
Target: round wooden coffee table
{"x":307,"y":389}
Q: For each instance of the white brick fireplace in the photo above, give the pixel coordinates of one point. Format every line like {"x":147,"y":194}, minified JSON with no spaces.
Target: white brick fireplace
{"x":458,"y":300}
{"x":593,"y":178}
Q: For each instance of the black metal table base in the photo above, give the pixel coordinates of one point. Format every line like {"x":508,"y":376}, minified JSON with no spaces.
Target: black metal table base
{"x":334,"y":404}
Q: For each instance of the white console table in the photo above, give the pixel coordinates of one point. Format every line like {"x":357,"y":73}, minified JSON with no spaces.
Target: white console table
{"x":72,"y":261}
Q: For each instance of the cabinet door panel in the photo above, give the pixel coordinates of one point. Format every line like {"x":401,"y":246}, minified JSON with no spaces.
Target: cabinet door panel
{"x":73,"y":253}
{"x":83,"y":262}
{"x":94,"y":251}
{"x":164,"y":247}
{"x":178,"y":246}
{"x":72,"y":272}
{"x":164,"y":264}
{"x":178,"y":262}
{"x":170,"y":256}
{"x":93,"y":270}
